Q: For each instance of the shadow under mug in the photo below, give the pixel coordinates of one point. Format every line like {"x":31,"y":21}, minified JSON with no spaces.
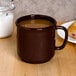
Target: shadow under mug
{"x":37,"y":45}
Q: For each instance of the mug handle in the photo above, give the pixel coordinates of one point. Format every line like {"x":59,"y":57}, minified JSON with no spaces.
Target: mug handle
{"x":65,"y":40}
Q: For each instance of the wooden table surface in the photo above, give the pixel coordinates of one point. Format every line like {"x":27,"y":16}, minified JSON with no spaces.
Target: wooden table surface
{"x":62,"y":64}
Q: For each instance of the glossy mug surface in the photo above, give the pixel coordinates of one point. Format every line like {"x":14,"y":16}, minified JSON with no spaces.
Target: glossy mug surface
{"x":36,"y":38}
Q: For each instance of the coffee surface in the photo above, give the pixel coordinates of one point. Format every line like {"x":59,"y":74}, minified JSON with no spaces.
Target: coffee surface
{"x":35,"y":23}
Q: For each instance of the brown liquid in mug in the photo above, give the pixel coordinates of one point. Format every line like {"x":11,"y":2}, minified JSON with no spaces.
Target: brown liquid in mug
{"x":35,"y":23}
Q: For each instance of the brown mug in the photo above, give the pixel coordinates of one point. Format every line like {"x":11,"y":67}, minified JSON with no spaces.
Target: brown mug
{"x":37,"y":44}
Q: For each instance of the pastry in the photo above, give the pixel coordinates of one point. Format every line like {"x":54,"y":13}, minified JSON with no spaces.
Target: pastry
{"x":72,"y":30}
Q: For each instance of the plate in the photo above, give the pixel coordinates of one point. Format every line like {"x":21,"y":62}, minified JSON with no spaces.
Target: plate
{"x":61,"y":33}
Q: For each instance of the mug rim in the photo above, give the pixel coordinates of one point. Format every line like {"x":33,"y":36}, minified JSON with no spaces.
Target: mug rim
{"x":35,"y":16}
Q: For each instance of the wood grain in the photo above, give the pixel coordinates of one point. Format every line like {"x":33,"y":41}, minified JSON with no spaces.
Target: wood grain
{"x":62,"y":64}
